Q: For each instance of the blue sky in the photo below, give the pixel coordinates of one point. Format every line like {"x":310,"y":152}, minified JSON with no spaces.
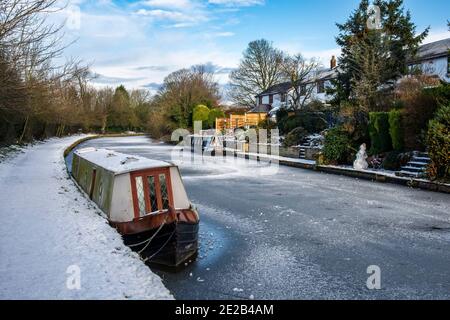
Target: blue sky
{"x":137,"y":43}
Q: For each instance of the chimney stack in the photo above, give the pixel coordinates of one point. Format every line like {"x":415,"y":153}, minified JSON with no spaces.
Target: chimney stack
{"x":333,"y":62}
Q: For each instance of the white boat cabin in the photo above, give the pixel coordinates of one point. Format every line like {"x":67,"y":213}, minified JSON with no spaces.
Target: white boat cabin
{"x":128,"y":188}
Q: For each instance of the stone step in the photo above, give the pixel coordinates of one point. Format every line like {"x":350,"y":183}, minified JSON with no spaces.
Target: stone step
{"x":413,"y":169}
{"x":421,"y":159}
{"x":418,"y":164}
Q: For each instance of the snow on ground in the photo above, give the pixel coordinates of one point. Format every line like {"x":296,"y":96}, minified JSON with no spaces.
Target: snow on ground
{"x":49,"y":231}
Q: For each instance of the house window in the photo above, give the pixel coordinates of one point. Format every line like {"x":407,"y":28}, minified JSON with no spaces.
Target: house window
{"x":283,"y":97}
{"x":303,"y":90}
{"x":271,"y":99}
{"x":448,"y":64}
{"x":260,"y":99}
{"x":321,"y":87}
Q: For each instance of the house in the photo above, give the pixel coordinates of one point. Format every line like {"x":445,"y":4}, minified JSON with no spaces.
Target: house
{"x":280,"y":95}
{"x":433,"y":59}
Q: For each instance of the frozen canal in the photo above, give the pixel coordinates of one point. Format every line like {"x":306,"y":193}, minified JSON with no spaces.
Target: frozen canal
{"x":305,"y":235}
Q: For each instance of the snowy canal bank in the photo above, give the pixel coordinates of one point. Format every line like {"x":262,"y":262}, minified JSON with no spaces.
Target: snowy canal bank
{"x":50,"y":234}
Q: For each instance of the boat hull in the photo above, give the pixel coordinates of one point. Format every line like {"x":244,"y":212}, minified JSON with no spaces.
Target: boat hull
{"x":170,"y":246}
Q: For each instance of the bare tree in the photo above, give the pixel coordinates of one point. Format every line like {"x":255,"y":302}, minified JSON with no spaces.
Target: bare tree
{"x":183,"y":90}
{"x":302,"y":74}
{"x":259,"y":69}
{"x":26,"y":36}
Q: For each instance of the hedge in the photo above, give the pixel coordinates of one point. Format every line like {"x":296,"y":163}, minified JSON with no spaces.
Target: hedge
{"x":438,"y":139}
{"x":337,"y":146}
{"x":213,"y":115}
{"x":396,"y":130}
{"x":379,"y":132}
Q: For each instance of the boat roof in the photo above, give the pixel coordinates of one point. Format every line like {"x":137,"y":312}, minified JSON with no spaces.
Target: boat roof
{"x":119,"y":163}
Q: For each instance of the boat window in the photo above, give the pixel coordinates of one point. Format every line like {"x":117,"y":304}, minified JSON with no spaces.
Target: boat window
{"x":164,"y":192}
{"x":140,"y":196}
{"x":152,"y":193}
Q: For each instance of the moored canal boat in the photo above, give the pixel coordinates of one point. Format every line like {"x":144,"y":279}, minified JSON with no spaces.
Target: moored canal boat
{"x":145,"y":200}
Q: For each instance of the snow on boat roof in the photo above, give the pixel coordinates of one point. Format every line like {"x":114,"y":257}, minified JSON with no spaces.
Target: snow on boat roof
{"x":119,"y":163}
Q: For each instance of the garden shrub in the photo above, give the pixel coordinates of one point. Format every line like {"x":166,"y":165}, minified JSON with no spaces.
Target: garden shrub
{"x":441,"y":94}
{"x":295,"y":137}
{"x":201,"y":113}
{"x":288,"y":124}
{"x":392,"y":161}
{"x":438,"y":140}
{"x":213,"y":115}
{"x":420,"y":98}
{"x":313,"y":122}
{"x":337,"y":146}
{"x":396,"y":130}
{"x":379,"y":132}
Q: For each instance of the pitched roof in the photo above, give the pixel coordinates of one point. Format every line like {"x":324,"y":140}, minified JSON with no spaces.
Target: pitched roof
{"x":322,"y":74}
{"x":278,"y":88}
{"x":432,"y":50}
{"x":262,"y":108}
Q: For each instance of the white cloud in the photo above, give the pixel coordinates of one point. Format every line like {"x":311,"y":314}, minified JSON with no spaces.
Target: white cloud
{"x":437,"y":35}
{"x":237,"y":3}
{"x":174,"y":4}
{"x":296,"y":46}
{"x":165,"y":15}
{"x":224,"y":34}
{"x":140,"y":44}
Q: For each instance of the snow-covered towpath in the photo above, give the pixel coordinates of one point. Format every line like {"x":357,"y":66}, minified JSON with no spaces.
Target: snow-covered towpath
{"x":49,"y":231}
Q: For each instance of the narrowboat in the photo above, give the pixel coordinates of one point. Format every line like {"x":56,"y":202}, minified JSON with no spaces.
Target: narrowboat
{"x":145,"y":200}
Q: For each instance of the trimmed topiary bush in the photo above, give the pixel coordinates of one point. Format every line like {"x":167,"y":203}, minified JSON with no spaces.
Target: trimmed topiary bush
{"x":396,"y":130}
{"x":337,"y":146}
{"x":438,"y":140}
{"x":201,"y":113}
{"x":379,"y":132}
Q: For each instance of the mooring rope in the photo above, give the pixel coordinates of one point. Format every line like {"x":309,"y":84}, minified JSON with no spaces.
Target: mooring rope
{"x":151,"y":238}
{"x":160,"y":249}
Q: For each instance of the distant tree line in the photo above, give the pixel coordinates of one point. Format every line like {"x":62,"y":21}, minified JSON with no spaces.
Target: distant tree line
{"x":39,"y":98}
{"x":182,"y":91}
